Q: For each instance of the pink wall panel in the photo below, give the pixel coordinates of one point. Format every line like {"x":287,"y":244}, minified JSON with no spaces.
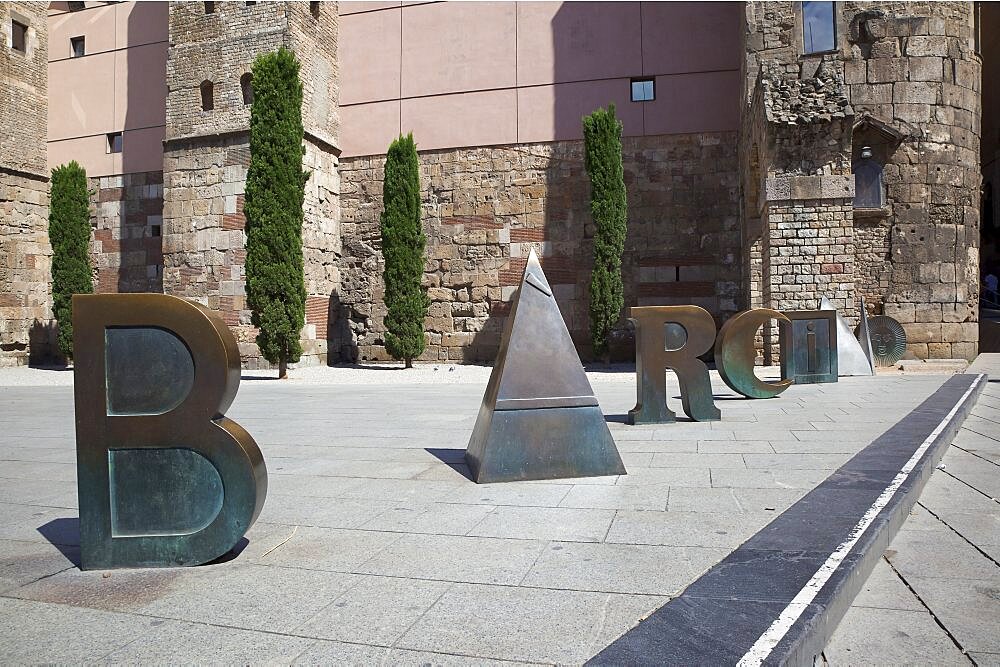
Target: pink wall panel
{"x":466,"y":119}
{"x":707,"y":102}
{"x":141,"y":23}
{"x":368,"y":129}
{"x":368,"y":50}
{"x":142,"y":150}
{"x":574,"y":41}
{"x":90,"y":152}
{"x":355,"y":6}
{"x":96,"y":25}
{"x":81,"y":98}
{"x":140,"y":86}
{"x":456,"y":46}
{"x":555,"y":112}
{"x":690,"y":36}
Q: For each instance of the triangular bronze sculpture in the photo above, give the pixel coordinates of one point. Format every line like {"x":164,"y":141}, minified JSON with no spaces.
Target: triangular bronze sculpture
{"x":865,"y":337}
{"x":540,"y":418}
{"x":851,"y":359}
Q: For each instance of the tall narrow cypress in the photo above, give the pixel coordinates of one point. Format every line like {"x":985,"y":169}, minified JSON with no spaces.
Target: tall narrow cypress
{"x":69,"y":233}
{"x":275,"y":191}
{"x":403,"y":244}
{"x":602,"y":134}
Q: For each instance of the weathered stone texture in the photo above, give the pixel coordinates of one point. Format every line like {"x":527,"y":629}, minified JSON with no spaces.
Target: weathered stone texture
{"x":207,"y":154}
{"x":127,"y":218}
{"x":26,"y":325}
{"x":485,"y":207}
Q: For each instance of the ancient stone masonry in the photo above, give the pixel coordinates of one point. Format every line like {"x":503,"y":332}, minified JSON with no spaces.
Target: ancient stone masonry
{"x":26,"y":326}
{"x":906,"y":73}
{"x":206,"y":156}
{"x":127,"y":250}
{"x":485,"y":207}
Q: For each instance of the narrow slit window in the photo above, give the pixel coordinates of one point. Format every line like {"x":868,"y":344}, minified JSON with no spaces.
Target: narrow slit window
{"x":314,"y":9}
{"x":207,"y":96}
{"x":115,"y":142}
{"x":19,"y":36}
{"x":246,"y":86}
{"x":819,"y":30}
{"x":643,"y":90}
{"x":77,"y":47}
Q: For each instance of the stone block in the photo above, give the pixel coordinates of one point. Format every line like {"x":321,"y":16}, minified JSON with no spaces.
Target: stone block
{"x":925,"y":332}
{"x":916,"y":92}
{"x":927,"y":45}
{"x":886,"y":70}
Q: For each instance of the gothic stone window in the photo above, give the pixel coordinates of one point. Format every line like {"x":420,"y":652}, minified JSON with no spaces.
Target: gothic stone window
{"x":819,"y":30}
{"x":868,"y":189}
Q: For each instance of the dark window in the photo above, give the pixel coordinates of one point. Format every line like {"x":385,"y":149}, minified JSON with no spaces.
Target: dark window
{"x":76,"y":6}
{"x":115,"y":142}
{"x":19,"y":36}
{"x":251,"y":4}
{"x":868,"y":191}
{"x":643,"y":90}
{"x":207,"y":96}
{"x":209,"y":7}
{"x":819,"y":31}
{"x":246,"y":85}
{"x":155,"y":230}
{"x":77,"y":46}
{"x":314,"y":9}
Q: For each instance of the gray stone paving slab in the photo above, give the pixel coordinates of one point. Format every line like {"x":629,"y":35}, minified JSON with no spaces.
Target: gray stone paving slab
{"x":546,"y":523}
{"x":436,"y":518}
{"x":884,"y":589}
{"x":686,"y":529}
{"x":340,"y":653}
{"x":620,"y":497}
{"x":332,"y":549}
{"x":969,"y":608}
{"x":915,"y":639}
{"x":619,"y":568}
{"x":456,"y":558}
{"x":985,"y":659}
{"x":332,"y":513}
{"x":795,"y":478}
{"x":555,"y":626}
{"x":734,"y":447}
{"x":542,"y":494}
{"x":732,"y":499}
{"x":24,"y":562}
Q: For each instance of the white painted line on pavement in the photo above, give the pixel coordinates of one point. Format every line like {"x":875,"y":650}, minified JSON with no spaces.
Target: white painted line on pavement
{"x":779,"y":628}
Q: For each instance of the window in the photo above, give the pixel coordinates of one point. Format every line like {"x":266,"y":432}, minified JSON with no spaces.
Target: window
{"x":77,"y":47}
{"x":19,"y":36}
{"x":76,"y":6}
{"x":209,"y":7}
{"x":868,"y":191}
{"x":819,"y":32}
{"x":115,"y":142}
{"x":250,"y":4}
{"x":314,"y":9}
{"x":643,"y":90}
{"x":207,"y":96}
{"x":246,"y":85}
{"x":155,"y":230}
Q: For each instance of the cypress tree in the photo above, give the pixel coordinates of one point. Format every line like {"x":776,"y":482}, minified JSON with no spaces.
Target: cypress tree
{"x":69,"y":233}
{"x":403,"y":244}
{"x":602,"y":134}
{"x":275,"y":191}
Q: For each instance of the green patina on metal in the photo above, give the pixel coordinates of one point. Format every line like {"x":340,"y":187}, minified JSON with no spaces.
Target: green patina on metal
{"x":164,"y":477}
{"x":735,"y":353}
{"x":808,"y":342}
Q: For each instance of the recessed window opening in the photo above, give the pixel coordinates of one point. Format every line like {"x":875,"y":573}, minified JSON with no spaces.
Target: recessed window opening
{"x":819,"y":30}
{"x":250,"y":4}
{"x":643,"y":90}
{"x":868,"y":187}
{"x":77,"y":47}
{"x":155,"y":230}
{"x":76,"y":6}
{"x":314,"y":9}
{"x":19,"y":36}
{"x":209,"y":7}
{"x":207,"y":96}
{"x":246,"y":85}
{"x":115,"y":142}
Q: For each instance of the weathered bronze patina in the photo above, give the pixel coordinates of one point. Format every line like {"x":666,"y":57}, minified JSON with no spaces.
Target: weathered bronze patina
{"x":164,"y":477}
{"x":735,"y":353}
{"x":539,"y":418}
{"x":672,"y":337}
{"x":808,"y":340}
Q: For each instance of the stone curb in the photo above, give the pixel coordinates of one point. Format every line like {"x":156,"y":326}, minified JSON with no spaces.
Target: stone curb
{"x":778,"y":598}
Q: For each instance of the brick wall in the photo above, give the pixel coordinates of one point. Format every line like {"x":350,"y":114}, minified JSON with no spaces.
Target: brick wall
{"x":127,"y":219}
{"x":483,"y":208}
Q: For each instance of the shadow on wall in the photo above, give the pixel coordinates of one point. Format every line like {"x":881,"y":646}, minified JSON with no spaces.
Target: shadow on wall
{"x":43,"y":346}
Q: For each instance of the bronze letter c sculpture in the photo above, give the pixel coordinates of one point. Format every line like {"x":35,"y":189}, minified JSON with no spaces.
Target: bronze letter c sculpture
{"x":164,"y":477}
{"x":672,"y":337}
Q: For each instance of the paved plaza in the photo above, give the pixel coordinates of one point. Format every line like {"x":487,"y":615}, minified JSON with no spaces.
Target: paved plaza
{"x":374,"y":547}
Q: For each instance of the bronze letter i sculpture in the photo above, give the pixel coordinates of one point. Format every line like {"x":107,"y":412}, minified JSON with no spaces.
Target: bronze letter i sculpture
{"x":539,"y":418}
{"x":164,"y":477}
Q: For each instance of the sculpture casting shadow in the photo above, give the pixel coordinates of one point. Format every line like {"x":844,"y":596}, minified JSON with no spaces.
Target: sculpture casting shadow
{"x":453,"y":458}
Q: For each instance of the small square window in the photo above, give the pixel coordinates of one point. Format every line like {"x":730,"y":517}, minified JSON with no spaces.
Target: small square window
{"x":643,"y":90}
{"x":19,"y":36}
{"x":115,"y":142}
{"x":155,"y":230}
{"x":209,"y":7}
{"x":77,"y":47}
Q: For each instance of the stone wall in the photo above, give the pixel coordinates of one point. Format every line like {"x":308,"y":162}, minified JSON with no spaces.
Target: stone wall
{"x":127,"y":218}
{"x":206,"y":157}
{"x":908,"y":72}
{"x":27,"y":330}
{"x":484,"y":208}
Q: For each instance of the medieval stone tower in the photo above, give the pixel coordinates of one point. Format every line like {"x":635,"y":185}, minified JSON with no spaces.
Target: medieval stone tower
{"x":893,"y":104}
{"x":206,"y":155}
{"x":25,"y":254}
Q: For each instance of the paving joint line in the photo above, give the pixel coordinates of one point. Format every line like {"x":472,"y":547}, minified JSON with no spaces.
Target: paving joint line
{"x":978,"y":456}
{"x":977,"y":490}
{"x":964,"y":538}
